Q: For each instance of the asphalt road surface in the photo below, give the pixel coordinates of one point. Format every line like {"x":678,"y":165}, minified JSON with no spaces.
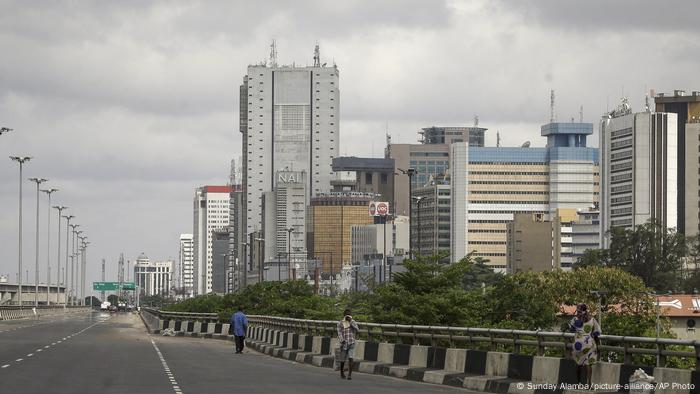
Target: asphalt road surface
{"x":100,"y":353}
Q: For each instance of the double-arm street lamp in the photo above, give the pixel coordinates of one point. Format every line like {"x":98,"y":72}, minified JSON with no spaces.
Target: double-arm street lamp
{"x":60,"y":209}
{"x":4,"y":130}
{"x":48,"y":192}
{"x":418,"y":201}
{"x":38,"y":182}
{"x":65,"y":270}
{"x":20,"y":160}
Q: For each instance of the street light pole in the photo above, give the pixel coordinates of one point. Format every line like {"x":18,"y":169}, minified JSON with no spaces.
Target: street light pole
{"x":65,"y":270}
{"x":289,"y":252}
{"x":21,"y":160}
{"x":418,"y":201}
{"x":48,"y":245}
{"x":71,"y":283}
{"x":410,"y":173}
{"x":38,"y":182}
{"x":59,"y":208}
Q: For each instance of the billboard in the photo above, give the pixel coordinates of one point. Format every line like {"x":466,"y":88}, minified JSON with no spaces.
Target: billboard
{"x":378,"y":208}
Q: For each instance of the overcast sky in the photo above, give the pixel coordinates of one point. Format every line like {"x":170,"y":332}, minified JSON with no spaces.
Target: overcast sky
{"x":127,"y":106}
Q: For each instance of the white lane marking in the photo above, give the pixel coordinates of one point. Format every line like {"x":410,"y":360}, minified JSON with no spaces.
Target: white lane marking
{"x":30,"y":354}
{"x":5,"y":366}
{"x":19,"y":359}
{"x":173,"y":382}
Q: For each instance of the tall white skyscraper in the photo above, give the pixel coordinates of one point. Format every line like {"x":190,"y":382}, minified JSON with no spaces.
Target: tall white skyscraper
{"x":289,"y":118}
{"x":186,"y":265}
{"x":639,"y":175}
{"x":211,"y":212}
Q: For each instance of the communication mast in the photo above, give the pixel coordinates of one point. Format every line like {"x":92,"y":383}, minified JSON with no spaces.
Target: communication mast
{"x":552,"y":116}
{"x":317,"y":56}
{"x":273,"y":54}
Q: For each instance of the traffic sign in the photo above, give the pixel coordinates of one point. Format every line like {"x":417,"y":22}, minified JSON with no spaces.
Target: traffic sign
{"x":108,"y":286}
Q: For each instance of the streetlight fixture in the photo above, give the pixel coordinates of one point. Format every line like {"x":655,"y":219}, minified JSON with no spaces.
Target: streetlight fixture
{"x":48,"y":245}
{"x":261,"y":264}
{"x":243,"y":280}
{"x":410,"y":172}
{"x":38,"y":182}
{"x":74,"y":267}
{"x":65,"y":271}
{"x":80,"y":270}
{"x":59,"y":208}
{"x":289,"y":253}
{"x":71,"y":283}
{"x":4,"y":130}
{"x":21,"y":160}
{"x":418,"y":201}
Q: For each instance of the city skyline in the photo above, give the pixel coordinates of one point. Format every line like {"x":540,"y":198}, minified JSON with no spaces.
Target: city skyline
{"x":127,"y":110}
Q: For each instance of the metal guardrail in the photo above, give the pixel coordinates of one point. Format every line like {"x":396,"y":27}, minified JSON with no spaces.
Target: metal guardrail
{"x":471,"y":337}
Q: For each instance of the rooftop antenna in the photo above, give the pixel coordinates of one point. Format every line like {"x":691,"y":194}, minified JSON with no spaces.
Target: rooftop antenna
{"x":476,"y":120}
{"x":580,"y":115}
{"x":552,"y":118}
{"x":498,"y":139}
{"x":232,"y":174}
{"x":317,"y":56}
{"x":647,"y":108}
{"x":273,"y":54}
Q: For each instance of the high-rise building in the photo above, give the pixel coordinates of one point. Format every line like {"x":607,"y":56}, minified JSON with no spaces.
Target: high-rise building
{"x":285,"y":220}
{"x":330,"y":220}
{"x":219,"y":260}
{"x":687,"y":108}
{"x":186,"y":266}
{"x":474,"y":135}
{"x":211,"y":212}
{"x":368,"y":241}
{"x":638,"y":169}
{"x":431,"y":218}
{"x":490,"y":185}
{"x":153,"y":278}
{"x":289,"y":118}
{"x":369,"y":175}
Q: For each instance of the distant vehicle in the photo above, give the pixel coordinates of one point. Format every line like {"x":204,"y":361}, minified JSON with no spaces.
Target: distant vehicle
{"x":105,"y":305}
{"x":112,"y":308}
{"x":121,"y":307}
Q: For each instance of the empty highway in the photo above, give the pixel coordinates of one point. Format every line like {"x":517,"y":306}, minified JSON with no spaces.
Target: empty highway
{"x":95,"y":352}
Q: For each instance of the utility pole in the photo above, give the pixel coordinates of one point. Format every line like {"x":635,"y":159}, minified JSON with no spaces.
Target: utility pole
{"x":21,"y":160}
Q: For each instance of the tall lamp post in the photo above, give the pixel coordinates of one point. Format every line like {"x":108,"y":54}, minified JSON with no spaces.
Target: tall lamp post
{"x":59,"y":208}
{"x":418,"y":201}
{"x":80,"y":270}
{"x":65,"y":270}
{"x":410,"y":173}
{"x":261,"y":258}
{"x":74,"y":267}
{"x":21,"y":160}
{"x":243,"y":279}
{"x":289,"y":252}
{"x":38,"y":182}
{"x":48,"y":244}
{"x":70,"y":282}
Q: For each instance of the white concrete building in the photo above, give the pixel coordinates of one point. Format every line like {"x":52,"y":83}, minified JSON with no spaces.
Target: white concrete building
{"x":186,"y":265}
{"x":153,"y":278}
{"x":289,"y":118}
{"x":638,"y":169}
{"x":211,"y":212}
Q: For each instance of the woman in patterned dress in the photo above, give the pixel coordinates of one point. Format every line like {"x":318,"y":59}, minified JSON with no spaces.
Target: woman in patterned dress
{"x":586,"y":341}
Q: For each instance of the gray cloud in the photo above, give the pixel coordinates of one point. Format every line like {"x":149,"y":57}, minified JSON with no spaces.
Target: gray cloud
{"x":128,"y":106}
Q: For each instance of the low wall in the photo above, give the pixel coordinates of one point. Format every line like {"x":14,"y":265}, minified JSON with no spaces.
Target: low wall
{"x":13,"y":314}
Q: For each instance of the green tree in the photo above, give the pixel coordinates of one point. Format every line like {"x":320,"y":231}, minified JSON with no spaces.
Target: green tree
{"x":479,"y":275}
{"x":592,"y":258}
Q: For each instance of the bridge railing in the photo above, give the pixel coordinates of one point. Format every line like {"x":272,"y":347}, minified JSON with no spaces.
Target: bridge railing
{"x":623,"y":348}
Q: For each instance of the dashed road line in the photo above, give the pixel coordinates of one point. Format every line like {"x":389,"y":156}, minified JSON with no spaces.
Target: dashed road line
{"x":5,"y":366}
{"x":171,"y":377}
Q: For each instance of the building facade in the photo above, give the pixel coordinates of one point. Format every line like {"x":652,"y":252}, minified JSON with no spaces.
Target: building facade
{"x":431,"y":218}
{"x":490,"y":185}
{"x":211,"y":212}
{"x":638,"y":169}
{"x":153,"y":278}
{"x":219,"y":260}
{"x":330,"y":220}
{"x":186,"y":259}
{"x":369,"y":175}
{"x":534,"y":244}
{"x":289,"y":118}
{"x":687,"y":109}
{"x":285,"y":219}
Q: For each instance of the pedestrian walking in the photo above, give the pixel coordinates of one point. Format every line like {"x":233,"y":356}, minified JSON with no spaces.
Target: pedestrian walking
{"x":586,"y":342}
{"x":347,"y":330}
{"x":239,"y":322}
